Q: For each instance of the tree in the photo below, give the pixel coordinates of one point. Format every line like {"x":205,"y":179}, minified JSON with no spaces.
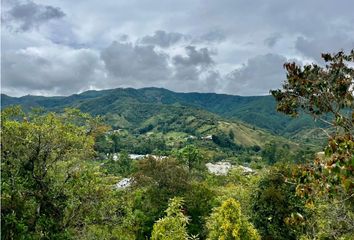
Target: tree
{"x":190,"y":156}
{"x":225,"y":141}
{"x":269,"y":153}
{"x":199,"y":202}
{"x":226,"y":222}
{"x":49,"y":191}
{"x":155,"y":182}
{"x":174,"y":225}
{"x":231,"y":134}
{"x":320,"y":90}
{"x":274,"y":152}
{"x":121,"y":167}
{"x":324,"y":92}
{"x":275,"y":205}
{"x":330,"y":219}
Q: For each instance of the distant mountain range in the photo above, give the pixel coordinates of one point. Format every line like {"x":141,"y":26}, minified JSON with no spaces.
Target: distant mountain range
{"x":132,"y":107}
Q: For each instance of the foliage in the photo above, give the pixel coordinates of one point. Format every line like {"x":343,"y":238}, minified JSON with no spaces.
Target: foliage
{"x":275,"y":152}
{"x":318,"y":91}
{"x":199,"y":201}
{"x":48,"y":190}
{"x":167,"y":177}
{"x":275,"y":205}
{"x":123,"y":166}
{"x":241,"y":187}
{"x":226,"y":141}
{"x":137,"y":144}
{"x":269,"y":153}
{"x":174,"y":225}
{"x":155,"y":182}
{"x":53,"y":187}
{"x":191,"y":157}
{"x":226,"y":222}
{"x":126,"y":108}
{"x":331,"y":219}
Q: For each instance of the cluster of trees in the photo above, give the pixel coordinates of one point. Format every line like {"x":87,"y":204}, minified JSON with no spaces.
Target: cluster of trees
{"x":52,"y":187}
{"x":226,"y":141}
{"x":49,"y":190}
{"x":138,"y":144}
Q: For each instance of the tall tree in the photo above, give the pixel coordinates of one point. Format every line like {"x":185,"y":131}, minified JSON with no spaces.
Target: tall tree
{"x":227,"y":222}
{"x":191,"y":157}
{"x":275,"y":206}
{"x":174,"y":225}
{"x":155,"y":182}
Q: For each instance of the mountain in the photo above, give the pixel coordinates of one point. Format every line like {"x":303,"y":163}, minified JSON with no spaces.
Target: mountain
{"x":258,"y":111}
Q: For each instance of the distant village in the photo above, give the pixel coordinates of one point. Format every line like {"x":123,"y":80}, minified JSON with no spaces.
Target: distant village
{"x":221,"y":168}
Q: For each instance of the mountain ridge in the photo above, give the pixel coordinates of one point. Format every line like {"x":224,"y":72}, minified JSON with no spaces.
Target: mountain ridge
{"x":259,"y":111}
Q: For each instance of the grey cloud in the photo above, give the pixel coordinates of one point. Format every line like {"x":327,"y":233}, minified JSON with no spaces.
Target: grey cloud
{"x":167,"y":39}
{"x":211,"y":81}
{"x":272,"y":40}
{"x":135,"y":64}
{"x":186,"y":73}
{"x":163,"y":39}
{"x":194,"y":57}
{"x":257,"y":76}
{"x":124,"y":37}
{"x":214,"y":36}
{"x":141,"y":65}
{"x":191,"y":66}
{"x":50,"y":70}
{"x":283,"y":16}
{"x":188,"y":80}
{"x":329,"y":44}
{"x":63,"y":70}
{"x":29,"y":15}
{"x":244,"y":21}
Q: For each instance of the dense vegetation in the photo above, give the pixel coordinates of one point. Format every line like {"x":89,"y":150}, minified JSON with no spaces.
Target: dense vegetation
{"x":135,"y":164}
{"x":130,"y":107}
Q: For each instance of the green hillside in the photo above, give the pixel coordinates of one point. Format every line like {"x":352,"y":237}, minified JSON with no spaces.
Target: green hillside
{"x":257,"y":110}
{"x":155,"y":120}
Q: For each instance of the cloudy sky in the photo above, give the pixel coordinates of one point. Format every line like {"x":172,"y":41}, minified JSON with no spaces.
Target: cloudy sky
{"x":61,"y":47}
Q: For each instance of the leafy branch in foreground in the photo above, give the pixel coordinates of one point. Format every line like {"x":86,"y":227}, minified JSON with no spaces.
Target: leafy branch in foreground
{"x":322,"y":92}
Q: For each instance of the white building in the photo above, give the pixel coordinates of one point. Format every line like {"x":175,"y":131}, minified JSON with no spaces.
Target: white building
{"x":219,"y":168}
{"x":124,"y":183}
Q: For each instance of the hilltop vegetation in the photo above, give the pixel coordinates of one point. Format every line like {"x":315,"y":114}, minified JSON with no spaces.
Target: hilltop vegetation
{"x":257,"y":111}
{"x":151,"y":120}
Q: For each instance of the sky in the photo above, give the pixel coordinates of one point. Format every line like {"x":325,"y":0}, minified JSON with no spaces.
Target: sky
{"x":63,"y":47}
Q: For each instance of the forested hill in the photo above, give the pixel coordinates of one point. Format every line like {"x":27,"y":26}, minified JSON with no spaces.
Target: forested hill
{"x":255,"y":110}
